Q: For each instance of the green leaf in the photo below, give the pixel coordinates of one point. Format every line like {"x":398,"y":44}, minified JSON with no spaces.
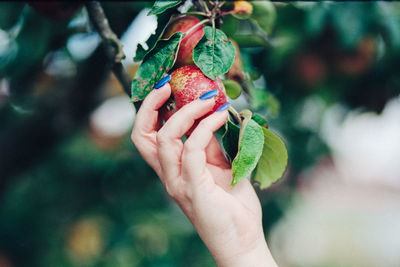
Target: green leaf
{"x":230,"y":140}
{"x":260,"y":120}
{"x":161,"y":6}
{"x":251,"y":140}
{"x":162,"y":22}
{"x":261,"y":98}
{"x":230,"y":25}
{"x":273,"y":161}
{"x":154,"y":65}
{"x":140,"y":53}
{"x":232,"y":89}
{"x":214,"y":53}
{"x":273,"y":105}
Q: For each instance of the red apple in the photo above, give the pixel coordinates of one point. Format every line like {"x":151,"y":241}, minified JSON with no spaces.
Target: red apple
{"x":56,"y":9}
{"x":185,"y":53}
{"x":188,"y":83}
{"x":310,"y":69}
{"x":360,"y":60}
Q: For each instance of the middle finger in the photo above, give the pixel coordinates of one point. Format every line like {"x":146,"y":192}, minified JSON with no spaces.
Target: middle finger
{"x":169,"y":137}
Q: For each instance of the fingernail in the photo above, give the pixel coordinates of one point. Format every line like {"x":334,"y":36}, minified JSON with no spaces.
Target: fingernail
{"x":209,"y":94}
{"x":162,"y":81}
{"x":224,"y":107}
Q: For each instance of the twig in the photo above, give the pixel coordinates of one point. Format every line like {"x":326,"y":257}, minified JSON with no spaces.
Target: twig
{"x":197,"y":5}
{"x":112,"y":43}
{"x":195,"y":13}
{"x":205,"y":6}
{"x":216,"y":15}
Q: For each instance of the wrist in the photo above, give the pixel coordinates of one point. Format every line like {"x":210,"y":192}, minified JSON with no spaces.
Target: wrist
{"x":257,"y":256}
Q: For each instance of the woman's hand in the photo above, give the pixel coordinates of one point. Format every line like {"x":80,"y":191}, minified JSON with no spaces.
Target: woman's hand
{"x":197,"y":176}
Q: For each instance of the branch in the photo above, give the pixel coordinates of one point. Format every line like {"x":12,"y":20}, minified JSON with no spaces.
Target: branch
{"x":113,"y":45}
{"x":100,"y":23}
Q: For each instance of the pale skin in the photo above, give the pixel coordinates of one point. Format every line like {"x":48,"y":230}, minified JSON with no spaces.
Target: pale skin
{"x":197,"y":176}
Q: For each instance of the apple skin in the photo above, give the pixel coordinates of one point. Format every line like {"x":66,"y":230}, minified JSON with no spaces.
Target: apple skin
{"x":188,"y":83}
{"x":185,"y":53}
{"x":242,"y":9}
{"x":58,"y":10}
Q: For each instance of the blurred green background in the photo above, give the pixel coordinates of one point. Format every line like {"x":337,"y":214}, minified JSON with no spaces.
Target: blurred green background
{"x":75,"y":192}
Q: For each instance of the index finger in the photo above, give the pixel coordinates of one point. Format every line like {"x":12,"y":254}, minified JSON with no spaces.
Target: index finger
{"x":147,"y":116}
{"x":144,"y":130}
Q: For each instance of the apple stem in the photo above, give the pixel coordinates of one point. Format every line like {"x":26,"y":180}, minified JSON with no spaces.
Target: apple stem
{"x":227,"y":13}
{"x":235,"y":115}
{"x":195,"y":13}
{"x":195,"y":26}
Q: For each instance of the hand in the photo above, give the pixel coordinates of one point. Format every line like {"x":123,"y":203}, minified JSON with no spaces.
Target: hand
{"x":197,"y":176}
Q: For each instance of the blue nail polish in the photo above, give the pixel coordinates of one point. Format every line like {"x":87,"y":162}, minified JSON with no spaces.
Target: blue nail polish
{"x":162,"y":81}
{"x":209,"y":94}
{"x":224,"y":107}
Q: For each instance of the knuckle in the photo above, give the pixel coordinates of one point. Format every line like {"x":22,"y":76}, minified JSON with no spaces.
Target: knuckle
{"x":189,"y":147}
{"x":177,"y":191}
{"x":134,"y":137}
{"x":171,"y":190}
{"x":197,"y":106}
{"x":161,"y":137}
{"x":204,"y":124}
{"x":137,"y":136}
